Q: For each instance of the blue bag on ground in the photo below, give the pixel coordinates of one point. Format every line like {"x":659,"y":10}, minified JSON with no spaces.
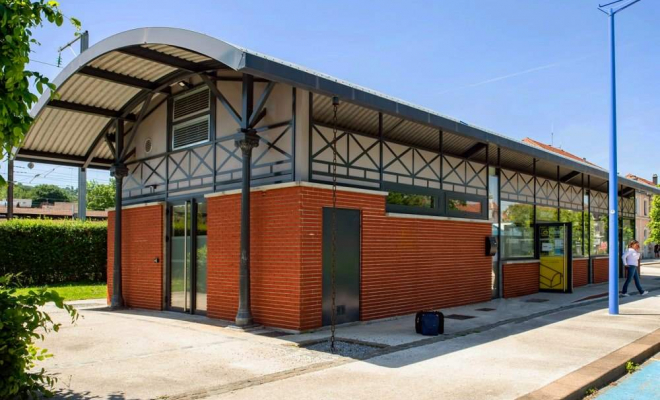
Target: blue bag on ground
{"x":430,"y":323}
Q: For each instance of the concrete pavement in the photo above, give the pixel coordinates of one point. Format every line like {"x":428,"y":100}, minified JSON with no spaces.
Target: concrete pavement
{"x":517,"y":347}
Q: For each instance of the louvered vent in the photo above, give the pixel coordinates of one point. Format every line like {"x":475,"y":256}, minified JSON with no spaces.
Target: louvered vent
{"x":190,"y":132}
{"x":191,"y":103}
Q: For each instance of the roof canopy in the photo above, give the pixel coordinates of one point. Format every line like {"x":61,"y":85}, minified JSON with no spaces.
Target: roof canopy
{"x":112,"y":79}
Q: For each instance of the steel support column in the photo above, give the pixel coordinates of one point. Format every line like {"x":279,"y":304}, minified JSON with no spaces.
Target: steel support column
{"x":82,"y":193}
{"x":10,"y":188}
{"x":118,"y":171}
{"x":247,"y":142}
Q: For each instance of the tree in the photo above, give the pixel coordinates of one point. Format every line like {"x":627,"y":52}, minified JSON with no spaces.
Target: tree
{"x":23,"y":321}
{"x":100,"y":196}
{"x":654,"y":224}
{"x":21,"y":191}
{"x":17,"y":19}
{"x":46,"y":193}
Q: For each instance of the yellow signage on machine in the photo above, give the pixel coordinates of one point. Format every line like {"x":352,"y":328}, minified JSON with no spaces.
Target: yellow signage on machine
{"x":554,"y":249}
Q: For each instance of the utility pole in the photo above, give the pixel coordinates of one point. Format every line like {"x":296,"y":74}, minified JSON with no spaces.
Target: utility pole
{"x":613,"y":182}
{"x":82,"y":171}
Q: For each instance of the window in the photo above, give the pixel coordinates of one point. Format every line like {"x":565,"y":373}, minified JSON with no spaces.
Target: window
{"x":464,"y":206}
{"x":410,"y":200}
{"x":517,"y":230}
{"x":599,"y":234}
{"x":546,"y":214}
{"x":575,"y":219}
{"x":646,"y":210}
{"x":191,"y":118}
{"x":627,"y":231}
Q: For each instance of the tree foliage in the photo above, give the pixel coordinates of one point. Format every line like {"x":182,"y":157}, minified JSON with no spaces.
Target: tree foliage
{"x":100,"y":196}
{"x":654,"y":224}
{"x":54,"y":251}
{"x":22,"y":322}
{"x":47,"y":193}
{"x":18,"y":19}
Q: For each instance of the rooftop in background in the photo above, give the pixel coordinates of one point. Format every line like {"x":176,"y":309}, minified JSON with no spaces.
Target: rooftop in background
{"x":638,"y":179}
{"x":57,"y":211}
{"x":562,"y":152}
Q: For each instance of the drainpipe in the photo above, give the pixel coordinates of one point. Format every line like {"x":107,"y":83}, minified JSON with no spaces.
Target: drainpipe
{"x":249,"y":141}
{"x":118,"y":170}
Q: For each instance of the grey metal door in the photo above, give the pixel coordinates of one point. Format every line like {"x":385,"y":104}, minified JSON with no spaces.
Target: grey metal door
{"x":347,"y":270}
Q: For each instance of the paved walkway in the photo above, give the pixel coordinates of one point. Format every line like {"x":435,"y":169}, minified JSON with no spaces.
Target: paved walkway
{"x":519,"y":347}
{"x":642,"y":385}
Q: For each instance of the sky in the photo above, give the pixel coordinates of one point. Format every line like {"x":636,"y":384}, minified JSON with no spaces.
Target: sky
{"x":519,"y":68}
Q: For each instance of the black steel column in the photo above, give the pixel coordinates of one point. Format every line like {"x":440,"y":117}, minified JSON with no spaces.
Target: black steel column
{"x":118,"y":171}
{"x":249,"y":141}
{"x":10,"y":188}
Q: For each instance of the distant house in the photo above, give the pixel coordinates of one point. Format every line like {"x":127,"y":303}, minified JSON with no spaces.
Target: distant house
{"x":59,"y":210}
{"x":17,"y":203}
{"x":642,"y":217}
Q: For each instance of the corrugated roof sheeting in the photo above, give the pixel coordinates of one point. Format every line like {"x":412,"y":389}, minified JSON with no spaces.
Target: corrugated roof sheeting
{"x":349,"y":116}
{"x":515,"y":160}
{"x":64,"y":132}
{"x":416,"y":134}
{"x":81,"y":89}
{"x":102,"y":151}
{"x":178,"y":52}
{"x":136,"y":67}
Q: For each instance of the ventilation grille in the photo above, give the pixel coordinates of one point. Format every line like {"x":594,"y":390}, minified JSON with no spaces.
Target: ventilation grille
{"x":190,"y":132}
{"x":191,"y":103}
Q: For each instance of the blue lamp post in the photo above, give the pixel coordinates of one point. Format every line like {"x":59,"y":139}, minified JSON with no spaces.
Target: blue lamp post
{"x":614,"y":184}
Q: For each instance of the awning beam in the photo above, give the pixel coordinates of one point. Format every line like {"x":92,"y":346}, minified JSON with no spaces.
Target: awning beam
{"x":166,"y":59}
{"x":472,"y":151}
{"x":91,"y":110}
{"x":120,"y":79}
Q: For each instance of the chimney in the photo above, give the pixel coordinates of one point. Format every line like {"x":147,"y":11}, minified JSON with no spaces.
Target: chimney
{"x":655,"y":179}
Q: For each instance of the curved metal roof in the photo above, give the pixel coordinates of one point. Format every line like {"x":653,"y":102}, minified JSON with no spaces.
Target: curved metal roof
{"x":113,"y":78}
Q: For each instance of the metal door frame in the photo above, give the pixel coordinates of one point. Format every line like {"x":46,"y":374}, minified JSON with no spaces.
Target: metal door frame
{"x":192,"y":279}
{"x":568,"y":250}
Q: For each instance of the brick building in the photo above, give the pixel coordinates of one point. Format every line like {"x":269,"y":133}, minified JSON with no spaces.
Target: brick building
{"x":642,"y":216}
{"x":225,"y":162}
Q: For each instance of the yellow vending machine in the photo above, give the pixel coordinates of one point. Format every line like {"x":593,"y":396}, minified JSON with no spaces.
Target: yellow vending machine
{"x":555,"y":254}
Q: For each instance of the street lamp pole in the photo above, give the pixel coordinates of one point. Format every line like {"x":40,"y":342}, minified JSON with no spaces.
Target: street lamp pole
{"x":613,"y":183}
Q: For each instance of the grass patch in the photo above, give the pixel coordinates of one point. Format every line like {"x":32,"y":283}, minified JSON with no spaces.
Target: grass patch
{"x":73,"y":291}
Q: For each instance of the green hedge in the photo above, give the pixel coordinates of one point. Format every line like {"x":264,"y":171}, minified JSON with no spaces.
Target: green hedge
{"x":53,"y":251}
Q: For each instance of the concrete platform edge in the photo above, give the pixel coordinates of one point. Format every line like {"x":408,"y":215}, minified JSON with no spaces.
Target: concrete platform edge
{"x":599,"y":373}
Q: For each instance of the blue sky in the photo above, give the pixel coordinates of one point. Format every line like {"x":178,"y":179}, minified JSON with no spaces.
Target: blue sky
{"x":520,"y":68}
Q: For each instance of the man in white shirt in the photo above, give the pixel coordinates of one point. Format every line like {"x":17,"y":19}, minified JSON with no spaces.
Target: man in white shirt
{"x":631,"y":261}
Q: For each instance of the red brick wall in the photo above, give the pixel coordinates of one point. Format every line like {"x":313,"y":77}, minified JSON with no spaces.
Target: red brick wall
{"x":580,"y":272}
{"x":407,"y":264}
{"x":142,"y":241}
{"x":275,"y":256}
{"x":601,"y":269}
{"x":520,"y":279}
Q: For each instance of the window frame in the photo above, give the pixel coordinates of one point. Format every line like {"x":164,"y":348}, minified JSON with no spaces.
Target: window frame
{"x":211,"y":113}
{"x":507,"y":257}
{"x":483,"y":201}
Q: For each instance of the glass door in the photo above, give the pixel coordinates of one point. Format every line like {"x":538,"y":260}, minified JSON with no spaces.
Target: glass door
{"x":555,"y":255}
{"x":187,"y":272}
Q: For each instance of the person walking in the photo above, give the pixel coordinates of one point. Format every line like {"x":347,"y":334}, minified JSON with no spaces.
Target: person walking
{"x":656,"y":250}
{"x":631,"y":259}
